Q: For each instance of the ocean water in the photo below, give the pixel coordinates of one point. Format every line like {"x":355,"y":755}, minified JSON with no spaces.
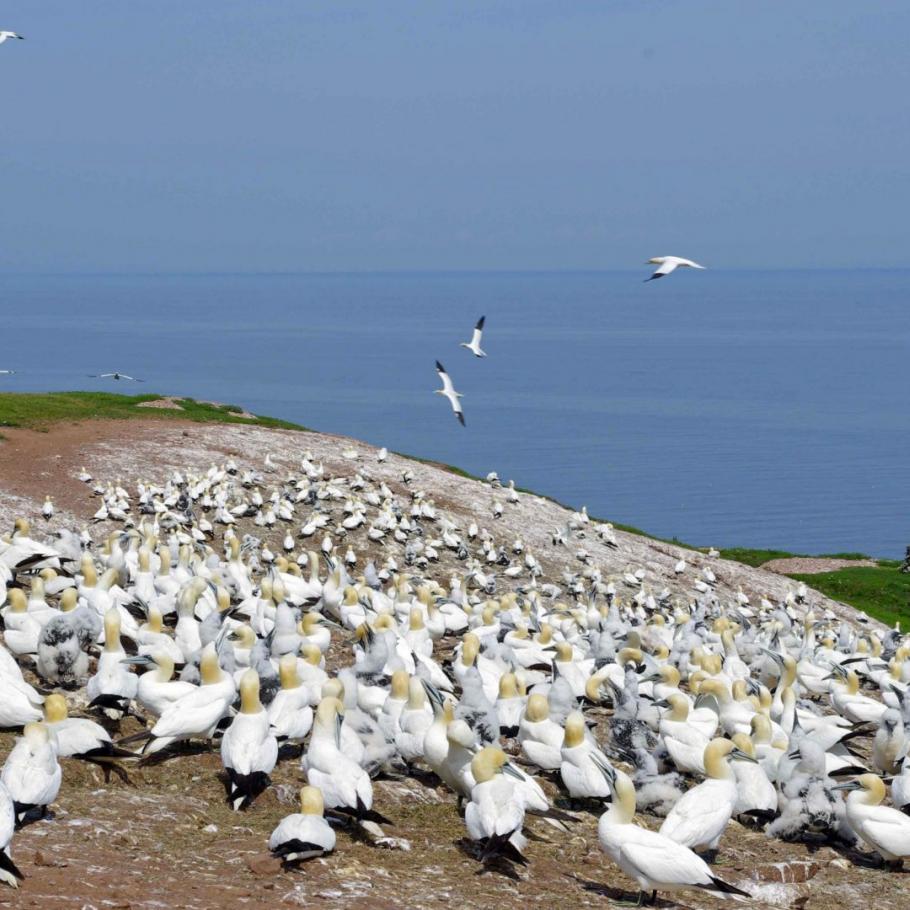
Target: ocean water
{"x":726,"y":408}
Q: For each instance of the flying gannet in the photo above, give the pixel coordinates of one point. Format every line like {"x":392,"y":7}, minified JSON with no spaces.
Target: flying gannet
{"x":449,"y":391}
{"x":474,"y":345}
{"x":666,"y":265}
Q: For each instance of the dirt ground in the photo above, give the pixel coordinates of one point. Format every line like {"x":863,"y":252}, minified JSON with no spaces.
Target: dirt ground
{"x":812,"y":565}
{"x":168,"y":839}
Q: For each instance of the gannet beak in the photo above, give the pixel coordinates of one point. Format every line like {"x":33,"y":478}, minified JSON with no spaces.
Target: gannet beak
{"x":138,"y":660}
{"x":849,"y":785}
{"x":512,"y":771}
{"x":743,"y":756}
{"x":778,"y":659}
{"x":339,"y":720}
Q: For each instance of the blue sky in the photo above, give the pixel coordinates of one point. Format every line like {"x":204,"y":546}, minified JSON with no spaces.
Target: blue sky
{"x":290,"y":135}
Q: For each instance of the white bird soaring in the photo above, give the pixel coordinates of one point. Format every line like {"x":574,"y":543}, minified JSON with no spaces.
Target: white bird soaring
{"x":666,"y":265}
{"x":474,"y":345}
{"x":115,"y":376}
{"x":449,"y":391}
{"x":3,"y":37}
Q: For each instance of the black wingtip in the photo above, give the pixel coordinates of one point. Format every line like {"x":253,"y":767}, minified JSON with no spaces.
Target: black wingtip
{"x":480,"y":322}
{"x":461,"y":419}
{"x":8,"y":865}
{"x":652,"y":278}
{"x":718,"y":884}
{"x":439,"y":367}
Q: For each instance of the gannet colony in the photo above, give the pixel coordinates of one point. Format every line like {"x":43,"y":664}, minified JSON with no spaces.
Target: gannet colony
{"x":360,"y":618}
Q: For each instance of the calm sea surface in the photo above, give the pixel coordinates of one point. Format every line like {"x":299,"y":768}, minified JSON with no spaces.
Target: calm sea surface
{"x":727,"y":408}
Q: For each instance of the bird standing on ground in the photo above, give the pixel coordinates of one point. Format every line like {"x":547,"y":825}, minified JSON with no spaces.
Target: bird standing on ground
{"x":249,"y":750}
{"x":666,"y":265}
{"x":654,"y":861}
{"x":474,"y":345}
{"x":9,"y":872}
{"x":884,"y":829}
{"x":449,"y":391}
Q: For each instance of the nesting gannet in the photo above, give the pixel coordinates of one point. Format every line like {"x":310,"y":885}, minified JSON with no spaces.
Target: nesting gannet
{"x":249,"y":750}
{"x":474,"y":345}
{"x":32,"y":773}
{"x":113,"y":686}
{"x":22,"y":629}
{"x":306,"y":833}
{"x":495,"y":815}
{"x":78,"y":737}
{"x":3,"y":37}
{"x":345,"y":786}
{"x":290,"y":712}
{"x":540,"y":736}
{"x":449,"y":391}
{"x":654,"y":861}
{"x":886,"y":830}
{"x":197,"y":713}
{"x":157,"y":689}
{"x":19,"y":702}
{"x":700,"y":817}
{"x":9,"y":872}
{"x":666,"y":265}
{"x":579,"y":769}
{"x":413,"y":722}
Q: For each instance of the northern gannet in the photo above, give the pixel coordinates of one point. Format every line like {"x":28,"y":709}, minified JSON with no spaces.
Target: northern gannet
{"x":4,"y":36}
{"x":197,"y":713}
{"x":32,"y":773}
{"x":886,"y":830}
{"x":249,"y":750}
{"x":474,"y":345}
{"x":115,"y":376}
{"x":495,"y":814}
{"x":652,"y":860}
{"x":9,"y":872}
{"x":666,"y":265}
{"x":448,"y":390}
{"x":306,"y":833}
{"x":700,"y":817}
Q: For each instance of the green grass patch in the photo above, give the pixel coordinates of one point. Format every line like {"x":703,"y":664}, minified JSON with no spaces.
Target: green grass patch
{"x":883,"y":591}
{"x":38,"y":411}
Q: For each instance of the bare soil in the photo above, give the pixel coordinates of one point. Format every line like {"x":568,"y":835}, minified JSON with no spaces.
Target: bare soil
{"x":813,"y":565}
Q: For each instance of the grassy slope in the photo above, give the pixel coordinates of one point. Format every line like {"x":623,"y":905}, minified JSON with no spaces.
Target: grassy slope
{"x":36,"y":411}
{"x":881,"y":592}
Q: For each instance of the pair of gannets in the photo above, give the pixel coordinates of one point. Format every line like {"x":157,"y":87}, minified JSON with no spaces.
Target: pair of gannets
{"x":653,"y":860}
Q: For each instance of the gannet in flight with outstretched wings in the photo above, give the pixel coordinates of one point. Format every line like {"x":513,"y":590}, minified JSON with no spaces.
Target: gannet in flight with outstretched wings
{"x":449,"y":391}
{"x":474,"y":346}
{"x":117,"y":376}
{"x":668,"y":264}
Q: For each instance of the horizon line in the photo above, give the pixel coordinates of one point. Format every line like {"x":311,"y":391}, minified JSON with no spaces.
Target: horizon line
{"x":251,"y":273}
